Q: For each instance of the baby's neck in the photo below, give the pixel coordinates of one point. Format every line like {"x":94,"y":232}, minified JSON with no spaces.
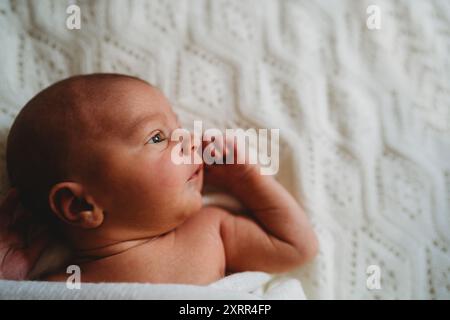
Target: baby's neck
{"x":109,"y":250}
{"x":111,"y":263}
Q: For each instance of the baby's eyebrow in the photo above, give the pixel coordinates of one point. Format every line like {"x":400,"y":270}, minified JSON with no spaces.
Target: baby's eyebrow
{"x":140,"y":122}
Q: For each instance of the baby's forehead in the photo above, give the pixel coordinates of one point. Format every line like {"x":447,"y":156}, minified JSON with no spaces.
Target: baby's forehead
{"x":113,"y":106}
{"x":132,"y":102}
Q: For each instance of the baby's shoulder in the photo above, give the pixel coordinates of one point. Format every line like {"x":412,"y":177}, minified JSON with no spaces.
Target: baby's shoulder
{"x":206,"y":222}
{"x":210,"y":216}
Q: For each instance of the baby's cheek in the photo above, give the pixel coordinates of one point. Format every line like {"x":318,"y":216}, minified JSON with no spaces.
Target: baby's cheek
{"x":160,"y":176}
{"x":172,"y":176}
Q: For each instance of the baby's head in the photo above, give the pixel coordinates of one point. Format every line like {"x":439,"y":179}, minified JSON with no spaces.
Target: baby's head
{"x":94,"y":151}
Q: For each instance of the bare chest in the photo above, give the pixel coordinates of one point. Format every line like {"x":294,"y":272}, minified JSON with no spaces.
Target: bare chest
{"x":193,"y":254}
{"x":199,"y":259}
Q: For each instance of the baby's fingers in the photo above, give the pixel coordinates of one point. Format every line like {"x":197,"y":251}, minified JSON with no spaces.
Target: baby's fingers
{"x":214,"y":149}
{"x":225,"y":149}
{"x":232,"y":152}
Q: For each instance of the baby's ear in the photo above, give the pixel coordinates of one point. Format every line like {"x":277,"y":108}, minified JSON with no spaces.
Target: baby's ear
{"x":70,"y":204}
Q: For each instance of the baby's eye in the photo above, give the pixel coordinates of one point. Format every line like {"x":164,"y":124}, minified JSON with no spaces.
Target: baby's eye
{"x":157,"y":138}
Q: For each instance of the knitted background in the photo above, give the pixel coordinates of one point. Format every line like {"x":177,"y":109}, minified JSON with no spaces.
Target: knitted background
{"x":364,"y":115}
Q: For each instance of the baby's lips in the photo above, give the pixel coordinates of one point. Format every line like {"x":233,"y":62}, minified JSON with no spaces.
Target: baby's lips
{"x":197,"y":170}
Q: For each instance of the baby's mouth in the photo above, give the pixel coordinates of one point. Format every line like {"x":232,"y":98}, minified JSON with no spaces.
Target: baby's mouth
{"x":196,"y":172}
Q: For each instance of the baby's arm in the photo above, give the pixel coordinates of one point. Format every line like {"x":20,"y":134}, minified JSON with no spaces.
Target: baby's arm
{"x":276,"y":237}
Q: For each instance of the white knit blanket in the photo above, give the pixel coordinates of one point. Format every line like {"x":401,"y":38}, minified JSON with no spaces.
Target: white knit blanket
{"x":238,"y":286}
{"x":364,"y":115}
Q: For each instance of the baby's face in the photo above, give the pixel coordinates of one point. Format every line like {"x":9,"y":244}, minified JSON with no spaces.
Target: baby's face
{"x":131,"y":175}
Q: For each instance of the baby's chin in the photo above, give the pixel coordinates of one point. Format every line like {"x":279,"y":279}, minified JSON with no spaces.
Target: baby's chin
{"x":192,"y":199}
{"x":192,"y":207}
{"x":196,"y":202}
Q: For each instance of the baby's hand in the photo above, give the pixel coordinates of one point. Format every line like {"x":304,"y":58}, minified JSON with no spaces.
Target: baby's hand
{"x":227,"y":175}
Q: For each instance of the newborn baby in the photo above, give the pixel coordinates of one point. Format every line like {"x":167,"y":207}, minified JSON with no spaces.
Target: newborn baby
{"x":90,"y":156}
